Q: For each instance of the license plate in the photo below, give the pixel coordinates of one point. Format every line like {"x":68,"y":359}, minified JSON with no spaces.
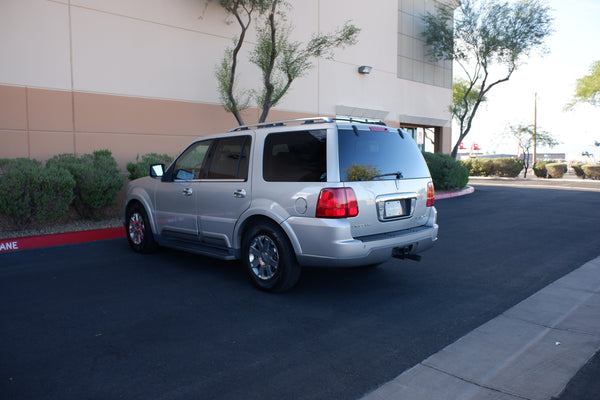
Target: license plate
{"x":394,"y":208}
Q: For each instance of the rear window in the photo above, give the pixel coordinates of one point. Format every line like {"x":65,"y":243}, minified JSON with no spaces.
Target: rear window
{"x":299,"y":156}
{"x":373,"y":153}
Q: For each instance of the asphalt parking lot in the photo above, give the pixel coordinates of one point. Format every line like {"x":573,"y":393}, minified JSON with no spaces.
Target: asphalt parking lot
{"x":98,"y":321}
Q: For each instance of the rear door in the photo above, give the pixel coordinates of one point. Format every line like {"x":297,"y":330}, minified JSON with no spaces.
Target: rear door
{"x":389,"y":176}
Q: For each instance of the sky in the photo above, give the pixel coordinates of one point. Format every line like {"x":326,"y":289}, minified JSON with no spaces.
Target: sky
{"x":573,"y":47}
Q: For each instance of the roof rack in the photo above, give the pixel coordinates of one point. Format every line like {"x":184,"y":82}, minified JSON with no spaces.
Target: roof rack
{"x":273,"y":124}
{"x":305,"y":121}
{"x":360,"y":120}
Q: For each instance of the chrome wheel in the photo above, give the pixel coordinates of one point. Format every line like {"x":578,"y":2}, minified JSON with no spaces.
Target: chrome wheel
{"x":263,"y":257}
{"x":136,"y":228}
{"x":269,"y":257}
{"x":139,"y":233}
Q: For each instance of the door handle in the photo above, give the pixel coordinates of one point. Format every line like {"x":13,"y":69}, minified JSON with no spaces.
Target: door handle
{"x":239,"y":194}
{"x":187,"y":191}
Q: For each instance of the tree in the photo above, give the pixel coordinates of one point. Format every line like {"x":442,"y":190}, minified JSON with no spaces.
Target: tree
{"x":279,"y":59}
{"x":588,"y":88}
{"x":488,"y":40}
{"x":527,"y":135}
{"x":464,"y":97}
{"x":243,"y":11}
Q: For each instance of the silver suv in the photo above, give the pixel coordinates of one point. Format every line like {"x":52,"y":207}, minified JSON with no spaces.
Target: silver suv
{"x":281,"y":195}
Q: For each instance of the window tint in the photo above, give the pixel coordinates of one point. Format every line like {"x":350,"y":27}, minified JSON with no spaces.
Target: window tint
{"x":230,"y":158}
{"x":296,"y":157}
{"x":225,"y":158}
{"x":190,"y":164}
{"x":381,"y":153}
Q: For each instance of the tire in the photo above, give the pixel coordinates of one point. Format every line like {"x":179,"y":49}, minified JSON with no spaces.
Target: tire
{"x":269,"y":258}
{"x":139,"y":232}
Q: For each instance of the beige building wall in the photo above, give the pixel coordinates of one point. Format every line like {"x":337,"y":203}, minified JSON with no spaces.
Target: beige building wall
{"x":137,"y":76}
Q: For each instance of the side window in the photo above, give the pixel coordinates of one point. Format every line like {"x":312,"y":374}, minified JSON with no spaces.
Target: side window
{"x":296,"y":156}
{"x":191,"y":164}
{"x":230,"y":158}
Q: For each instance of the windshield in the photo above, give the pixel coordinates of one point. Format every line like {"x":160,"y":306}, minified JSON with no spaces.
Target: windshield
{"x":374,"y":153}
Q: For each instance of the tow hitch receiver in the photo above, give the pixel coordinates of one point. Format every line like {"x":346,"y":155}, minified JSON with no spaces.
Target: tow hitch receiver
{"x":404,"y":252}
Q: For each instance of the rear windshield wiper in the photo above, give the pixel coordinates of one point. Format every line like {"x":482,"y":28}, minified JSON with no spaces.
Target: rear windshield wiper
{"x":398,"y":175}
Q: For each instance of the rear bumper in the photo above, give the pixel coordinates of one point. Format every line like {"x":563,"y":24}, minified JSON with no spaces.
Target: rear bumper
{"x":331,"y":244}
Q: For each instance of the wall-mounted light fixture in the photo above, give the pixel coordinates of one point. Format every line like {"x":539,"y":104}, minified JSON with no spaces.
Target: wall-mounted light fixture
{"x":364,"y":69}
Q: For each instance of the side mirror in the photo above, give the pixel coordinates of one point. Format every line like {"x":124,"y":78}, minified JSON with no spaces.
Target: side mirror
{"x":157,"y":170}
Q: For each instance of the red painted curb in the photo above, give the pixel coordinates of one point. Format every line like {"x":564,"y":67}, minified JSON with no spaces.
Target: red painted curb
{"x":449,"y":195}
{"x":57,"y":239}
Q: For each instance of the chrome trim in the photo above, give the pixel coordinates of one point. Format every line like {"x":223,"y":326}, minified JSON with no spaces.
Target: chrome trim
{"x":384,"y":198}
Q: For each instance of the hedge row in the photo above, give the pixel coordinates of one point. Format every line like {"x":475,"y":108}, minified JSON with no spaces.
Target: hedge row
{"x":539,"y":169}
{"x":589,"y":171}
{"x":511,"y":167}
{"x":505,"y":167}
{"x":551,"y":169}
{"x":32,"y":191}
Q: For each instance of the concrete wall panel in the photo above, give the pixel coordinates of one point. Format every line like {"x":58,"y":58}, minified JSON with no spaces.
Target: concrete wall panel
{"x":50,"y":110}
{"x":35,"y":44}
{"x":378,"y":38}
{"x":14,"y":144}
{"x":193,"y":15}
{"x":13,"y":108}
{"x":125,"y":147}
{"x":121,"y":114}
{"x":45,"y":145}
{"x":119,"y":55}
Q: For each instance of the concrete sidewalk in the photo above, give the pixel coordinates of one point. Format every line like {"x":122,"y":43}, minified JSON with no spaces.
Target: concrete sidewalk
{"x":531,"y":351}
{"x":567,"y":183}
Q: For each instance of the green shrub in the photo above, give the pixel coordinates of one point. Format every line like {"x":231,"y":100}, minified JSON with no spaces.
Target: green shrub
{"x":591,"y":171}
{"x":357,"y":172}
{"x":539,"y":169}
{"x":141,"y":167}
{"x":479,"y":166}
{"x":97,"y":177}
{"x":509,"y":167}
{"x":468,"y":164}
{"x":31,"y":192}
{"x":556,"y":170}
{"x":446,"y":172}
{"x":578,"y":170}
{"x":487,"y":166}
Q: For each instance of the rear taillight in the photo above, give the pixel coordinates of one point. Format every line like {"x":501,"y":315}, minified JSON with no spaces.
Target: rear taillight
{"x":337,"y":203}
{"x":430,"y":194}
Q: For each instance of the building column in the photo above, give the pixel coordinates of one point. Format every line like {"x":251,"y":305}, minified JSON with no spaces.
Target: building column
{"x":443,"y":139}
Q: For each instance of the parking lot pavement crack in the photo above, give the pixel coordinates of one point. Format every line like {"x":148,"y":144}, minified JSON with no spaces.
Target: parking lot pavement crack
{"x":474,"y":383}
{"x":555,"y":328}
